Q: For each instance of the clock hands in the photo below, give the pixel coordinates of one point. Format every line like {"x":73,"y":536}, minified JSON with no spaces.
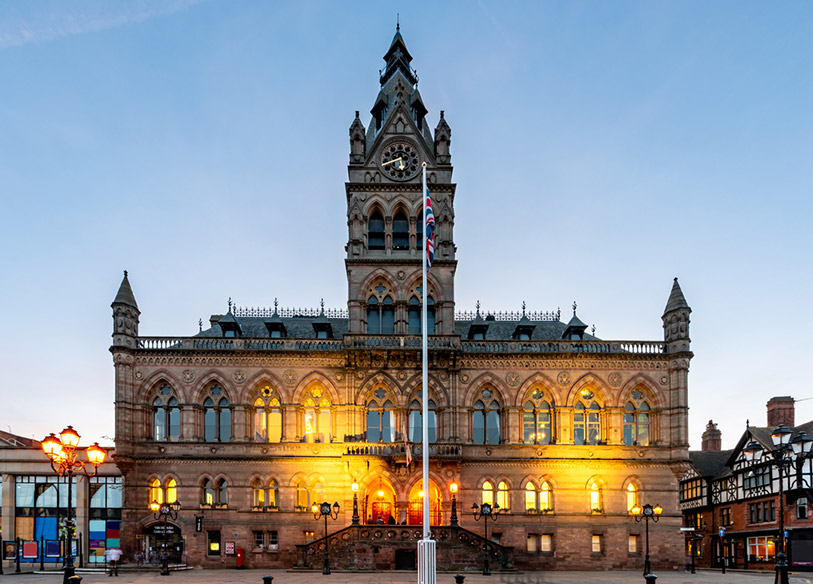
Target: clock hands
{"x":399,"y":160}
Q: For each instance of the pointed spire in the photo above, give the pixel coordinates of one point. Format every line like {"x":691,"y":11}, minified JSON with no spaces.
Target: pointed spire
{"x":125,"y":293}
{"x":398,"y":59}
{"x":676,"y":299}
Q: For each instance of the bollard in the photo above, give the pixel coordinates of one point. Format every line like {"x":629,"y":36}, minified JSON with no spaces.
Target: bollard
{"x":458,"y":578}
{"x":75,"y":580}
{"x":268,"y":579}
{"x":650,"y":578}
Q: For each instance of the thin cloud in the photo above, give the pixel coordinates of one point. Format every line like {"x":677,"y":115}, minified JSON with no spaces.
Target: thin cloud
{"x":48,"y":22}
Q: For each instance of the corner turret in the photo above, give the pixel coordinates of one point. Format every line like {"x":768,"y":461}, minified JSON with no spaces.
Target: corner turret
{"x":676,"y":321}
{"x":443,"y":139}
{"x":358,"y":144}
{"x":125,"y":316}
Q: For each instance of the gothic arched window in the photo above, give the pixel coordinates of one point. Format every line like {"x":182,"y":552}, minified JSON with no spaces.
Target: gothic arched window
{"x":415,"y":421}
{"x":375,"y":234}
{"x":632,"y":496}
{"x":587,"y":423}
{"x":221,"y":492}
{"x":415,"y":314}
{"x":316,"y":415}
{"x":485,"y":420}
{"x":531,"y":504}
{"x":216,"y":417}
{"x":545,"y":497}
{"x":208,"y":496}
{"x":156,"y":491}
{"x":636,"y":422}
{"x":536,"y":420}
{"x":503,"y":496}
{"x":595,"y":497}
{"x":380,"y":316}
{"x":380,"y":420}
{"x":400,"y":231}
{"x":267,"y":416}
{"x":166,"y":415}
{"x":487,"y":493}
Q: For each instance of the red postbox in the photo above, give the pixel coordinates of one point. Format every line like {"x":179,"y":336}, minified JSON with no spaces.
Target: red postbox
{"x":240,"y":553}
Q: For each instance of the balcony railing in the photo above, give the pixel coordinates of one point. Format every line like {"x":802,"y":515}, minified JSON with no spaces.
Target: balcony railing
{"x":412,"y":342}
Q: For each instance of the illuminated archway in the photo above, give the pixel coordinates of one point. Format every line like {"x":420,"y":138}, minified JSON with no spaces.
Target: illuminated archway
{"x":416,"y":499}
{"x":380,"y":503}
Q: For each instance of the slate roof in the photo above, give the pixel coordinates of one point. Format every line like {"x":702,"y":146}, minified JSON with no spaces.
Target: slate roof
{"x":710,"y":463}
{"x":301,"y":327}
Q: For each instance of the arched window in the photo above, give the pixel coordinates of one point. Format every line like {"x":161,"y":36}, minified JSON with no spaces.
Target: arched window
{"x":166,"y":415}
{"x":595,"y":498}
{"x":171,"y":488}
{"x":273,"y":495}
{"x":414,"y":316}
{"x":485,"y":421}
{"x":221,"y":492}
{"x":536,"y":420}
{"x":400,"y":231}
{"x":316,"y":421}
{"x":259,"y":494}
{"x":380,"y":316}
{"x":488,"y":493}
{"x":208,"y":493}
{"x":636,"y":422}
{"x":375,"y":235}
{"x":419,"y":230}
{"x":531,"y":503}
{"x":156,"y":491}
{"x":380,"y":422}
{"x":216,"y":417}
{"x":303,"y":500}
{"x":267,"y":416}
{"x":632,"y":496}
{"x":545,"y":497}
{"x":587,"y":423}
{"x":415,"y":421}
{"x":503,"y":496}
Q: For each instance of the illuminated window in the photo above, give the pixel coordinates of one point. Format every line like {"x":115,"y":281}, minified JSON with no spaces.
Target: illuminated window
{"x":316,"y":420}
{"x":595,"y":498}
{"x":303,"y":499}
{"x":531,"y":503}
{"x":536,"y":421}
{"x":172,"y":491}
{"x":259,"y":492}
{"x":503,"y":496}
{"x":488,"y":493}
{"x":545,"y":497}
{"x":634,"y":544}
{"x":156,"y":491}
{"x":267,"y":416}
{"x":208,"y":493}
{"x":213,"y":548}
{"x":632,"y":496}
{"x":596,"y":544}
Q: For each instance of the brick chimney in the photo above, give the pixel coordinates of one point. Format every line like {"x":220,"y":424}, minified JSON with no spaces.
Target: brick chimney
{"x":712,"y":438}
{"x":781,"y":410}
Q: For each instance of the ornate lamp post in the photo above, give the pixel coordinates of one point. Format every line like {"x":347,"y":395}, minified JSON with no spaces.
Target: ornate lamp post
{"x":786,"y":455}
{"x":485,"y":512}
{"x":453,"y":490}
{"x":325,"y":511}
{"x":62,"y":451}
{"x":165,"y":511}
{"x":355,"y":487}
{"x":647,"y":513}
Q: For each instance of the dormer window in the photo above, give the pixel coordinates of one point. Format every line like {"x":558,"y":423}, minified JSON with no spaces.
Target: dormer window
{"x":523,"y":332}
{"x":375,"y":234}
{"x":276,"y":329}
{"x":477,"y":332}
{"x":323,"y":330}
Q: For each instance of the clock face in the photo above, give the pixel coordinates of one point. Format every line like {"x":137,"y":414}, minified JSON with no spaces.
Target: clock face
{"x":400,"y":160}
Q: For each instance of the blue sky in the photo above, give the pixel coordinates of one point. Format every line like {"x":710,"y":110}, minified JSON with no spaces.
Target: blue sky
{"x":600,"y":150}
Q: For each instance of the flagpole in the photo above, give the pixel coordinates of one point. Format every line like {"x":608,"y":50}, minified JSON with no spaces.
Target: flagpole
{"x":426,"y":548}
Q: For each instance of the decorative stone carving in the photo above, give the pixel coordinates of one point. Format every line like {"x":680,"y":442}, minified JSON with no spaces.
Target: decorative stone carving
{"x":563,"y":378}
{"x":664,"y":380}
{"x":512,"y":378}
{"x":464,"y":378}
{"x":139,"y":375}
{"x":239,"y":376}
{"x":401,"y":274}
{"x":339,"y":377}
{"x":290,"y":376}
{"x":360,"y":374}
{"x":188,"y":375}
{"x":615,"y":379}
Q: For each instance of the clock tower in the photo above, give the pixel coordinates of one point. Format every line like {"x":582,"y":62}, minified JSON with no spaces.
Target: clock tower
{"x":384,"y":210}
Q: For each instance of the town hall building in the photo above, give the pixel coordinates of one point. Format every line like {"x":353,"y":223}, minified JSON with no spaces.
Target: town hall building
{"x":250,"y":421}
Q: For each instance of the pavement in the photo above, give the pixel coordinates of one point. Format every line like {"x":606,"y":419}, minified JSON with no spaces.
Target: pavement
{"x":231,"y":576}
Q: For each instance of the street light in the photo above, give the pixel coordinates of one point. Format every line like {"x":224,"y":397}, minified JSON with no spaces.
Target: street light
{"x":485,"y":512}
{"x":62,"y":452}
{"x":355,"y":487}
{"x":786,"y":455}
{"x":647,"y":513}
{"x":453,"y":490}
{"x":165,"y":511}
{"x":325,"y":511}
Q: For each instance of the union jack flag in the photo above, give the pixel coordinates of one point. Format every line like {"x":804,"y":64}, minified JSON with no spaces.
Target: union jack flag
{"x":430,"y":232}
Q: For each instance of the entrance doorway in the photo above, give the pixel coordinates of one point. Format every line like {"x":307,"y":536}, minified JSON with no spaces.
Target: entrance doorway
{"x":417,"y":496}
{"x":155,"y":537}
